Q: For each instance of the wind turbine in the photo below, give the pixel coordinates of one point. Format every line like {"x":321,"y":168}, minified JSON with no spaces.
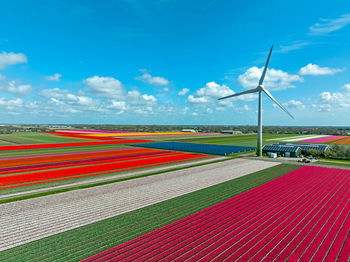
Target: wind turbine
{"x":260,"y":88}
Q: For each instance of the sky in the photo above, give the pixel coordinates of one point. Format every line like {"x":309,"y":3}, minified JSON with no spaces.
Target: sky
{"x":167,"y":62}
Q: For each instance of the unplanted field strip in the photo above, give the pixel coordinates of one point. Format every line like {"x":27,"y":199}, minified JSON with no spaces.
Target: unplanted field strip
{"x":82,"y":242}
{"x":28,"y":220}
{"x":301,"y":215}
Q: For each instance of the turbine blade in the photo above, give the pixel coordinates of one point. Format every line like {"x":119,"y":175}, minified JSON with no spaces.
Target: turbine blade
{"x":265,"y":68}
{"x":274,"y":100}
{"x":241,"y":93}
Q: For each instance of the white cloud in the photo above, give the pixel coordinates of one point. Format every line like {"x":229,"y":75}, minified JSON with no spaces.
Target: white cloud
{"x":11,"y":104}
{"x":313,"y":69}
{"x":209,"y":111}
{"x":183,"y":91}
{"x":294,"y":104}
{"x":136,"y":98}
{"x":8,"y":59}
{"x":338,"y":99}
{"x":153,"y":80}
{"x":346,"y":87}
{"x":13,"y":88}
{"x":330,"y":25}
{"x":274,"y":79}
{"x":197,"y":100}
{"x":324,"y":108}
{"x":210,"y":93}
{"x":166,"y":89}
{"x":292,"y":46}
{"x":120,"y":105}
{"x":242,"y":109}
{"x":54,"y":78}
{"x":107,"y":87}
{"x":329,"y":101}
{"x":64,"y":97}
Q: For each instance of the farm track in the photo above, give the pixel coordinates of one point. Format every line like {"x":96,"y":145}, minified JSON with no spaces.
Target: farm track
{"x":28,"y":220}
{"x":303,"y":215}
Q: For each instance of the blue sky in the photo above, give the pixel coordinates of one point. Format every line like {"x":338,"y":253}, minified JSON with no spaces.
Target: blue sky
{"x":167,"y":61}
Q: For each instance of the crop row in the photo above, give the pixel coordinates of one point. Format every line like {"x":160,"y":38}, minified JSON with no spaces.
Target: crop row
{"x":198,"y":148}
{"x":51,"y":158}
{"x":82,"y":242}
{"x":35,"y":174}
{"x":39,"y":146}
{"x":345,"y":141}
{"x":324,"y":139}
{"x":302,"y":215}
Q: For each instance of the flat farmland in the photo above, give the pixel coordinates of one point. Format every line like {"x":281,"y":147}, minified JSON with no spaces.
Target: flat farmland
{"x":301,"y":216}
{"x":233,"y":140}
{"x":81,"y":242}
{"x":53,"y":214}
{"x":24,"y":171}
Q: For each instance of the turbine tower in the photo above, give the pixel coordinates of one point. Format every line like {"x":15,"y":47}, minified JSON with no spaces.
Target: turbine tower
{"x":259,"y":89}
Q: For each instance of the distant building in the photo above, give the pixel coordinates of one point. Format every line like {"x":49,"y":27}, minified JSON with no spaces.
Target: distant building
{"x":305,"y":147}
{"x":231,"y":132}
{"x":282,"y":150}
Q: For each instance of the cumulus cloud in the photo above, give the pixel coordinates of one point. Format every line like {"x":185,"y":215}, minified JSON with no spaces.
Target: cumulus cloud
{"x":183,"y":91}
{"x":346,"y":87}
{"x":274,"y":79}
{"x":54,"y":78}
{"x":107,"y":87}
{"x":210,"y":93}
{"x":12,"y":87}
{"x":197,"y":100}
{"x":294,"y":104}
{"x":337,"y":100}
{"x":64,"y":97}
{"x":153,"y":80}
{"x":8,"y":59}
{"x":11,"y":104}
{"x":326,"y":26}
{"x":313,"y":69}
{"x":136,"y":98}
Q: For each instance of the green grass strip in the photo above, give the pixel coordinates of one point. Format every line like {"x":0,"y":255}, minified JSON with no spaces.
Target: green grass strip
{"x":88,"y":240}
{"x":62,"y":190}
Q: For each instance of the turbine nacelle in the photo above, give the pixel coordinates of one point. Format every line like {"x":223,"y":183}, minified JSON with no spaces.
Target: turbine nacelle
{"x":260,"y":88}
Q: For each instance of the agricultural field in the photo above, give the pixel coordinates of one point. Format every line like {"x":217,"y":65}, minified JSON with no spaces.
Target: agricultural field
{"x":73,"y":158}
{"x":228,"y":208}
{"x":303,"y":215}
{"x":85,"y":241}
{"x":198,"y":148}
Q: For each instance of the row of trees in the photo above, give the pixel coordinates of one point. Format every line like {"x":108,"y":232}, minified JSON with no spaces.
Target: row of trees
{"x":213,"y":128}
{"x":335,"y":151}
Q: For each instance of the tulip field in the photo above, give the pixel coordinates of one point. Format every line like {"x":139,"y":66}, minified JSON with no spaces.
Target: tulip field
{"x":232,"y":209}
{"x":301,"y":216}
{"x":37,"y":169}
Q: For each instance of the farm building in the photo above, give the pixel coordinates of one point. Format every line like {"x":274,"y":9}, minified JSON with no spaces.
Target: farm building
{"x":231,"y":132}
{"x":305,"y":147}
{"x":282,"y":150}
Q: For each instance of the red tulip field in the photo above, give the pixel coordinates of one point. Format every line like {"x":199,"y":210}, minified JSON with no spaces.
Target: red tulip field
{"x":301,"y":216}
{"x":38,"y":169}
